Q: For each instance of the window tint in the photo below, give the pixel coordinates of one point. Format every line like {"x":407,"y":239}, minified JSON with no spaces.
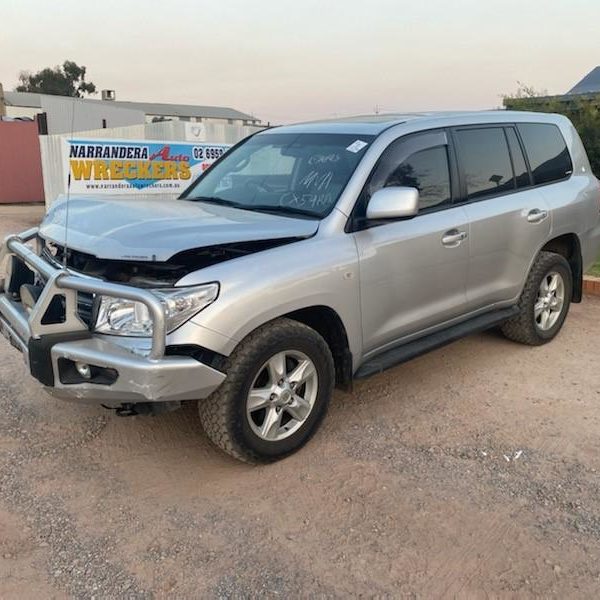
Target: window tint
{"x":547,"y":152}
{"x":519,"y":166}
{"x":427,"y":171}
{"x":485,"y":161}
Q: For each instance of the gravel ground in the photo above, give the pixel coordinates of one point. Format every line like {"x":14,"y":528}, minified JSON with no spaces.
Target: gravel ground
{"x":470,"y":472}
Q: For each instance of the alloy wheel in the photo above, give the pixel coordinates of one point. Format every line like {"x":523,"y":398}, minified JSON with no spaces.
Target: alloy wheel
{"x":282,"y":395}
{"x":550,"y":301}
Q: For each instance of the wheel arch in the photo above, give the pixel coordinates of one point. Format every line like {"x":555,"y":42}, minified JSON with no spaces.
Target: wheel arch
{"x":327,"y":323}
{"x":569,"y":246}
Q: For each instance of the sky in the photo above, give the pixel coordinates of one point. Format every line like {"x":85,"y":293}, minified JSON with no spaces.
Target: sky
{"x":293,"y":60}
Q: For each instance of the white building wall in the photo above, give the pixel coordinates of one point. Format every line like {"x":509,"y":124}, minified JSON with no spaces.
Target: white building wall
{"x":21,"y":111}
{"x":177,"y":131}
{"x":73,"y":114}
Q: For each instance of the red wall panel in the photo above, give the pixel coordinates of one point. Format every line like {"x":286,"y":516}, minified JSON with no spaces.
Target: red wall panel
{"x":20,"y":163}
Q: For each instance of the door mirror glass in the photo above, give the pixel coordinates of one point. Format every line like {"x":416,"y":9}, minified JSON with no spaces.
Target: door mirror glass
{"x":393,"y":203}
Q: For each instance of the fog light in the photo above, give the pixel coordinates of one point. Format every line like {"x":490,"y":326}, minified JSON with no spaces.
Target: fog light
{"x":73,"y":372}
{"x":84,"y":370}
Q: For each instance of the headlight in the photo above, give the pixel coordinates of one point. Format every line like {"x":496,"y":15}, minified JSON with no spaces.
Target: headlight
{"x":118,"y":316}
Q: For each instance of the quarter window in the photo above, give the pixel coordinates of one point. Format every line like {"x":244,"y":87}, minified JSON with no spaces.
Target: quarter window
{"x":485,"y":161}
{"x":426,"y":171}
{"x":547,"y":152}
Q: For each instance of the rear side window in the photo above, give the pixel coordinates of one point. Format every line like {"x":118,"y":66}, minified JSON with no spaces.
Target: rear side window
{"x":427,"y":171}
{"x":547,"y":151}
{"x":485,"y":161}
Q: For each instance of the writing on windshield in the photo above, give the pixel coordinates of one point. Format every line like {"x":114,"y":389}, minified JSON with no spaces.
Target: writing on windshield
{"x":302,"y":173}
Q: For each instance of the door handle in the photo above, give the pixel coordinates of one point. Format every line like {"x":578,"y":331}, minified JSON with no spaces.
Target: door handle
{"x":536,"y":215}
{"x":453,"y":238}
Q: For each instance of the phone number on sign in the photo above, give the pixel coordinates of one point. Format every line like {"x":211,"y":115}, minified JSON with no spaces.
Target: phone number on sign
{"x":207,"y":153}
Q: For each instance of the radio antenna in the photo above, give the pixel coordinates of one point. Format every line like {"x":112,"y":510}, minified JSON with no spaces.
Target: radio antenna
{"x":65,"y":249}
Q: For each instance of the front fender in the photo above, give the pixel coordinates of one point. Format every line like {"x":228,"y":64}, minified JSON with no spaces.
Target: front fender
{"x":255,"y":289}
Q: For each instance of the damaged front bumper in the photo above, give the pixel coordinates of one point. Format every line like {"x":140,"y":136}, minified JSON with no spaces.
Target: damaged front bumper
{"x":75,"y":364}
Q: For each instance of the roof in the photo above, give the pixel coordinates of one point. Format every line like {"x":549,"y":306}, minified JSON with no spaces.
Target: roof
{"x":183,"y":110}
{"x":589,"y":84}
{"x":376,"y":124}
{"x":26,"y":99}
{"x":32,"y":100}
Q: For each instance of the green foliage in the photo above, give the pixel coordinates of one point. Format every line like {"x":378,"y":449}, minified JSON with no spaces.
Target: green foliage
{"x":583,"y":111}
{"x":65,"y":80}
{"x":524,"y":91}
{"x":594,"y":270}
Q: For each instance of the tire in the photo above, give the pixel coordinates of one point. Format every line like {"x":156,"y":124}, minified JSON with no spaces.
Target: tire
{"x":227,"y":415}
{"x":528,"y":327}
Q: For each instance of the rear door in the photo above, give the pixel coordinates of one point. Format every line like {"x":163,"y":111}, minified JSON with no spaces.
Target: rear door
{"x":509,"y":219}
{"x":413,"y":272}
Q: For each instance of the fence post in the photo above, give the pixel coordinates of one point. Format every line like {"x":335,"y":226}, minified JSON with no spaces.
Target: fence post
{"x":2,"y":103}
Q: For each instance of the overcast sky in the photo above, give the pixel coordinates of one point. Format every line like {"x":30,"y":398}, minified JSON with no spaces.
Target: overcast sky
{"x":287,"y":60}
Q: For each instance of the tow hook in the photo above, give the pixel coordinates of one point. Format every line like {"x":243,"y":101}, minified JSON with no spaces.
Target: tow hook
{"x":129,"y":409}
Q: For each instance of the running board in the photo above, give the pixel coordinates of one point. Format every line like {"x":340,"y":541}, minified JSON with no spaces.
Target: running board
{"x":400,"y":354}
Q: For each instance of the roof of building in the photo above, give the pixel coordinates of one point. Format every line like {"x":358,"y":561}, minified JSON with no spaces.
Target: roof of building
{"x":184,"y":110}
{"x":25,"y":99}
{"x":32,"y":100}
{"x":589,"y":84}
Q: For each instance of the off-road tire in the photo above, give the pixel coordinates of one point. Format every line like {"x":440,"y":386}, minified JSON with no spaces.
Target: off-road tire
{"x":223,"y":414}
{"x":522,"y":328}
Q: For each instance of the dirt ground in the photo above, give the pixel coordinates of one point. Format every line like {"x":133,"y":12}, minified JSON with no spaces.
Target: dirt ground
{"x":470,"y":472}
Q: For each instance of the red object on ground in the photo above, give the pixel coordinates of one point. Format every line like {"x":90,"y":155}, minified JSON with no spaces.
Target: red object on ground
{"x":20,"y":163}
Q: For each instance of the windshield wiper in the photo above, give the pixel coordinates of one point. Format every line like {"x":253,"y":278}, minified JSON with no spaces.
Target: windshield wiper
{"x":213,"y":200}
{"x":282,"y":210}
{"x":266,"y":208}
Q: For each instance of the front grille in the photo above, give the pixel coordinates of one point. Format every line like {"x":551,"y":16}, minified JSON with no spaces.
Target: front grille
{"x":85,"y":308}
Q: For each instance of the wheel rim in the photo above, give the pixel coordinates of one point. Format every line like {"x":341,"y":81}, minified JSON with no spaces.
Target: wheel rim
{"x":550,"y":301}
{"x":282,"y":395}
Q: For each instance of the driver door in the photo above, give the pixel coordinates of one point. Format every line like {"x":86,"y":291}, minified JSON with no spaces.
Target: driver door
{"x":413,"y":272}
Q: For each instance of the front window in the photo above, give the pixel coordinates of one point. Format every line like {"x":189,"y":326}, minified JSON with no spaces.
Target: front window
{"x":285,"y":173}
{"x":428,"y":172}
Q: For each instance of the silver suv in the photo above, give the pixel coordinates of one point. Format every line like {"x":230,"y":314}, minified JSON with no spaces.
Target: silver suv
{"x":306,"y":257}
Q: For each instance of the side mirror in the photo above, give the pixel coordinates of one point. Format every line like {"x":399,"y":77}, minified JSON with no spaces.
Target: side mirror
{"x":393,"y":203}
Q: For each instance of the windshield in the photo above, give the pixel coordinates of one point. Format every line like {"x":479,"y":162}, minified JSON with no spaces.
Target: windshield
{"x":284,"y":173}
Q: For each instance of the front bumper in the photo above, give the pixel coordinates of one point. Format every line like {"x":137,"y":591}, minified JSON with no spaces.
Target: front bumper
{"x":51,"y":349}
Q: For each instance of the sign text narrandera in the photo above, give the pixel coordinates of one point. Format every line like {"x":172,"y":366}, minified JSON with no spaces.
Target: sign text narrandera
{"x":137,"y":166}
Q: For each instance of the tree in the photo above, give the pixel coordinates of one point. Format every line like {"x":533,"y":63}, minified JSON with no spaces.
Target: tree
{"x":525,"y":91}
{"x":65,"y":80}
{"x":583,"y":111}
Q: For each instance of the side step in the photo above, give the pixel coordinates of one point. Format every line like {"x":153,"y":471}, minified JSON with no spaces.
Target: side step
{"x":399,"y":354}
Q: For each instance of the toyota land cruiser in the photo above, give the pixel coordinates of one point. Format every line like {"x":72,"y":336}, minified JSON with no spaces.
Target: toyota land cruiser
{"x":304,"y":258}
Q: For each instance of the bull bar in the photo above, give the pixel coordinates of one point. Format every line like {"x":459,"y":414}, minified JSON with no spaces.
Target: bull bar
{"x":151,"y":376}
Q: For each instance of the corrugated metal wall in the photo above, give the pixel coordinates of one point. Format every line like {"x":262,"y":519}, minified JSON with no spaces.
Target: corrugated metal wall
{"x":54,"y":172}
{"x":218,"y":132}
{"x":52,"y":146}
